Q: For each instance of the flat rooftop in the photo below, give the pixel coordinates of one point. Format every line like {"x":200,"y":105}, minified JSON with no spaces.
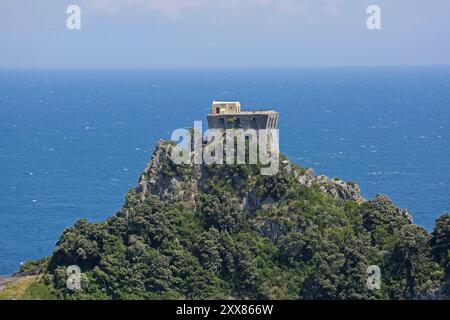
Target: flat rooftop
{"x":244,"y":112}
{"x":226,"y":102}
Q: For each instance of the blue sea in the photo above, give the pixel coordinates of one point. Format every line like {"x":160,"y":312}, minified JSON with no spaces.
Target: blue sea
{"x":72,"y":143}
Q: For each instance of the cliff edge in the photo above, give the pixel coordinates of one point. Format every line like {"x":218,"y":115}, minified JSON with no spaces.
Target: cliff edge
{"x":225,"y":231}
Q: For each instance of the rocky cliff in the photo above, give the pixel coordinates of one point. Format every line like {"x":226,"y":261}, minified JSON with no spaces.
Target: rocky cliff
{"x":225,"y":231}
{"x":184,"y":186}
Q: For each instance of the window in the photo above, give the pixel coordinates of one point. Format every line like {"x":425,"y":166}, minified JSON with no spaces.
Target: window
{"x":254,"y":124}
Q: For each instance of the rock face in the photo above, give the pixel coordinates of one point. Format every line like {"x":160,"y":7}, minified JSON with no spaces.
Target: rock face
{"x":175,"y":183}
{"x":269,"y":228}
{"x":227,"y":232}
{"x":158,"y":179}
{"x":335,"y":187}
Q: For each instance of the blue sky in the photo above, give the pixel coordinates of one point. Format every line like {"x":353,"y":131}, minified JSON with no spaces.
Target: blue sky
{"x":222,"y":33}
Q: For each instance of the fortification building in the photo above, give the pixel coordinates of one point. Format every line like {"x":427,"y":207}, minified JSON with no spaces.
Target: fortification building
{"x":228,"y":115}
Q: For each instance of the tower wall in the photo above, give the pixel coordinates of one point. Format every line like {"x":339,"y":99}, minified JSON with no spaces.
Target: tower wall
{"x":251,"y":120}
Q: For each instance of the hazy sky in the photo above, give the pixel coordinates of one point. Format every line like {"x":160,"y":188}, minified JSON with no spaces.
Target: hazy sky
{"x":222,"y":33}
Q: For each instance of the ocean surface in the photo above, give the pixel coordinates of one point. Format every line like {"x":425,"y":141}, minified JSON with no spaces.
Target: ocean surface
{"x":72,"y":143}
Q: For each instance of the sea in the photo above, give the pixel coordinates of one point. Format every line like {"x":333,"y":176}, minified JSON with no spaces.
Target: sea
{"x":73,"y":142}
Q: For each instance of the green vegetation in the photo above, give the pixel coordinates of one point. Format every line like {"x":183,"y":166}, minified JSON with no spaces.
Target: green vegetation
{"x":33,"y":264}
{"x":249,"y":237}
{"x":351,"y":183}
{"x":27,"y":288}
{"x":38,"y":291}
{"x":441,"y":248}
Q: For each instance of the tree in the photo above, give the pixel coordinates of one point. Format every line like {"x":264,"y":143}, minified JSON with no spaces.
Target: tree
{"x":440,"y":247}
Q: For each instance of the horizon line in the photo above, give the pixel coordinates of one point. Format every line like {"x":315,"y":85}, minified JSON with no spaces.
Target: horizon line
{"x":182,"y":68}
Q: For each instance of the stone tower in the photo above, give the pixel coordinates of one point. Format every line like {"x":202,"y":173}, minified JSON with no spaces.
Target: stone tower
{"x":228,"y":115}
